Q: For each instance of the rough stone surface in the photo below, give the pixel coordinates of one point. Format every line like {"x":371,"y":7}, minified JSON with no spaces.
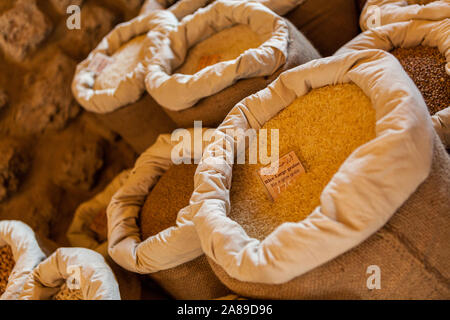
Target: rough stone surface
{"x":61,"y":5}
{"x":22,"y":29}
{"x":13,"y":166}
{"x":96,"y":22}
{"x":80,"y":164}
{"x":47,"y":100}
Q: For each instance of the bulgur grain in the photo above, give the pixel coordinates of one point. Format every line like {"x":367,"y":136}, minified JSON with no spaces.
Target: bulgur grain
{"x":125,"y":60}
{"x":322,"y":128}
{"x":225,"y":45}
{"x":171,"y":193}
{"x":426,"y":67}
{"x":68,"y":294}
{"x":6,"y":266}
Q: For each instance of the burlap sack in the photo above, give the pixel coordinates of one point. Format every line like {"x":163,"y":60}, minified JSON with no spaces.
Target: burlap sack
{"x":94,"y":277}
{"x":369,"y":187}
{"x":173,"y":257}
{"x":81,"y":235}
{"x":411,"y":250}
{"x":209,"y":94}
{"x":122,"y":107}
{"x":26,"y":251}
{"x":407,"y":35}
{"x":378,"y":13}
{"x":327,"y":24}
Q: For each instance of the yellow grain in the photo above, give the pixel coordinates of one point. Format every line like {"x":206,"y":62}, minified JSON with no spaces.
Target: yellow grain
{"x":323,"y":128}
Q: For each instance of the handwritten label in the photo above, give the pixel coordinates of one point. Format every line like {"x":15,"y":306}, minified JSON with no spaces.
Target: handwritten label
{"x":288,"y":168}
{"x":99,"y":62}
{"x":206,"y":61}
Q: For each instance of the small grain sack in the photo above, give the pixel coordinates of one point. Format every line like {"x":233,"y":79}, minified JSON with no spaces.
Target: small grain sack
{"x":225,"y":45}
{"x":322,"y":128}
{"x":6,"y":266}
{"x":426,"y":67}
{"x":124,"y":61}
{"x":68,"y":294}
{"x":171,"y":194}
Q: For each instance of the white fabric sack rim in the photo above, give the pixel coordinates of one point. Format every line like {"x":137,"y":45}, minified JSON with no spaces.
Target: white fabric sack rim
{"x":97,"y":280}
{"x":79,"y":233}
{"x":408,"y":35}
{"x":261,"y":61}
{"x":392,"y":11}
{"x":26,"y":251}
{"x":169,"y":248}
{"x":371,"y":184}
{"x":155,"y":25}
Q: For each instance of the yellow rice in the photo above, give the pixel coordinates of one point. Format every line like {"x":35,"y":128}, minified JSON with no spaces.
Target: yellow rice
{"x":323,"y":128}
{"x":225,"y":45}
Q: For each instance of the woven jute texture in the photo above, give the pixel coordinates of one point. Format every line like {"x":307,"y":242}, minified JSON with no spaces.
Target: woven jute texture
{"x":195,"y":279}
{"x":212,"y":110}
{"x":139,"y":123}
{"x":412,"y":251}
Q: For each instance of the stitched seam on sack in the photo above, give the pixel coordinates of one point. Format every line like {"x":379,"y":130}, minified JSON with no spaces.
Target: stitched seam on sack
{"x":412,"y":249}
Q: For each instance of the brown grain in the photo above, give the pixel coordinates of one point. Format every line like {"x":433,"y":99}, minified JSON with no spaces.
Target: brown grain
{"x":426,"y":67}
{"x":172,"y":193}
{"x":6,"y":266}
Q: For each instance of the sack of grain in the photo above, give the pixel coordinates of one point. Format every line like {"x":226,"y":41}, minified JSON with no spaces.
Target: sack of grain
{"x":71,"y":274}
{"x":19,"y":255}
{"x":423,"y":49}
{"x":219,"y":55}
{"x":287,"y":252}
{"x":89,"y":230}
{"x":164,"y":244}
{"x":110,"y":82}
{"x":381,"y":12}
{"x":89,"y":227}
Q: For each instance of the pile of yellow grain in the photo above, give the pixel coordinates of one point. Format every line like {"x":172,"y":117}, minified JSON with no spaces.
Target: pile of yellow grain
{"x":6,"y":266}
{"x":68,"y":294}
{"x":124,"y":61}
{"x":171,"y":193}
{"x":323,"y":128}
{"x":225,"y":45}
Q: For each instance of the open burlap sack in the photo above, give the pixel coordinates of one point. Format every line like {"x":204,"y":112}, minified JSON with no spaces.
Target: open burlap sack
{"x":26,"y":251}
{"x":173,"y":257}
{"x":110,"y":82}
{"x":81,"y":234}
{"x":210,"y":93}
{"x":411,"y":34}
{"x":93,"y":276}
{"x":381,"y":12}
{"x":380,"y":178}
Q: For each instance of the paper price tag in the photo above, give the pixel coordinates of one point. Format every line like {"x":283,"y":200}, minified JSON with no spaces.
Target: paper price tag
{"x":206,"y":61}
{"x":287,"y":169}
{"x":99,"y":62}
